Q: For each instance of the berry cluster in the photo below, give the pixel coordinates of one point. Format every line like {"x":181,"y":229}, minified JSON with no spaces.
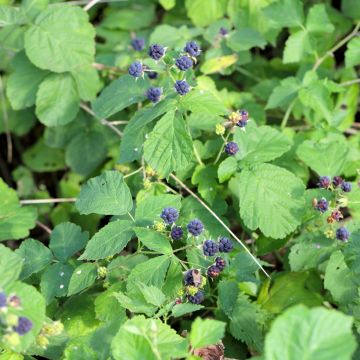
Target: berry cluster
{"x":210,"y":247}
{"x":339,"y":186}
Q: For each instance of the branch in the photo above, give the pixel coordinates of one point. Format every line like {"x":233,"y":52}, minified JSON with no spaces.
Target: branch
{"x":46,"y":201}
{"x":6,"y":123}
{"x":92,"y":3}
{"x":220,"y":221}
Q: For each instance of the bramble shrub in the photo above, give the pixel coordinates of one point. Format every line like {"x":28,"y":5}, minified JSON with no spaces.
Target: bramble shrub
{"x":179,"y":179}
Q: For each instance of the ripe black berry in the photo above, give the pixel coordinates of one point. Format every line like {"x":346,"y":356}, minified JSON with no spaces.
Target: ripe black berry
{"x":322,"y":205}
{"x":169,"y":215}
{"x":346,"y":186}
{"x":176,"y":233}
{"x":138,"y":44}
{"x":324,"y":182}
{"x":231,"y":148}
{"x":197,"y":298}
{"x":225,"y":245}
{"x":342,"y":233}
{"x":24,"y":325}
{"x":337,"y":180}
{"x":195,"y":227}
{"x":184,"y":63}
{"x":156,"y":51}
{"x":181,"y":87}
{"x":136,"y":69}
{"x":220,"y":263}
{"x":210,"y":248}
{"x":213,"y":271}
{"x":154,"y":94}
{"x":152,"y":74}
{"x":192,"y":48}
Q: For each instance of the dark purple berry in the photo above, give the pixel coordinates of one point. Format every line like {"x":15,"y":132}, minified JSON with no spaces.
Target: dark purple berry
{"x":336,"y":215}
{"x":192,"y":48}
{"x":324,"y":182}
{"x":195,"y":227}
{"x":198,"y":298}
{"x":223,"y":31}
{"x":231,"y":148}
{"x":181,"y":87}
{"x":154,"y":94}
{"x":337,"y":180}
{"x":346,"y":186}
{"x":177,"y":233}
{"x":210,"y":248}
{"x":136,"y":69}
{"x":213,"y":271}
{"x":3,"y":299}
{"x":342,"y":233}
{"x":138,"y":44}
{"x":152,"y":74}
{"x":156,"y":51}
{"x":184,"y":63}
{"x":244,"y":117}
{"x":322,"y":205}
{"x":169,"y":215}
{"x":220,"y":263}
{"x":225,"y":245}
{"x":24,"y":325}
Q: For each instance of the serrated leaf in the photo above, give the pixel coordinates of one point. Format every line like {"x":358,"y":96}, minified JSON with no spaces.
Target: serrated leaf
{"x":204,"y":12}
{"x":260,"y":144}
{"x":154,"y":240}
{"x":352,"y":54}
{"x":227,"y":169}
{"x":152,"y":294}
{"x":10,"y":266}
{"x":67,"y":239}
{"x":311,"y":334}
{"x":109,"y":240}
{"x":135,"y":303}
{"x":317,"y":20}
{"x":61,"y":39}
{"x":206,"y":332}
{"x":283,"y":94}
{"x":106,"y":194}
{"x":297,"y":45}
{"x":10,"y":16}
{"x":118,"y":95}
{"x":168,"y":147}
{"x":271,"y":199}
{"x":35,"y":255}
{"x":285,"y":13}
{"x":352,"y":252}
{"x":351,"y":8}
{"x":87,"y":82}
{"x":83,"y":277}
{"x":218,"y":64}
{"x":245,"y":39}
{"x":180,"y":310}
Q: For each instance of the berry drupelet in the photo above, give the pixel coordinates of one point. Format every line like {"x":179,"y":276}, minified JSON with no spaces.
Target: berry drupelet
{"x":220,"y":263}
{"x":195,"y":227}
{"x":346,"y":186}
{"x":176,"y":233}
{"x":225,"y":245}
{"x":184,"y":63}
{"x":198,"y":298}
{"x":154,"y":94}
{"x":322,"y":205}
{"x":156,"y":51}
{"x":231,"y":148}
{"x":136,"y":69}
{"x":152,"y":74}
{"x":169,"y":215}
{"x":24,"y":325}
{"x":181,"y":87}
{"x":138,"y":44}
{"x":210,"y":248}
{"x":324,"y":182}
{"x":337,"y":181}
{"x":244,"y":117}
{"x":342,"y":233}
{"x":192,"y":48}
{"x":213,"y":271}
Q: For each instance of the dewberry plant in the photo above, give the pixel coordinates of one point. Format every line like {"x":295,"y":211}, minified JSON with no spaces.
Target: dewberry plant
{"x":179,"y":179}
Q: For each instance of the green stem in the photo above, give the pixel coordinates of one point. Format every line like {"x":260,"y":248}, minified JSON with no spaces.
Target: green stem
{"x":222,"y":148}
{"x":287,"y":114}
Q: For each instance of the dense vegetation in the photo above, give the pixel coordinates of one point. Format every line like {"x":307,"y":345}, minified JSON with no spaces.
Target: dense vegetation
{"x":179,"y":179}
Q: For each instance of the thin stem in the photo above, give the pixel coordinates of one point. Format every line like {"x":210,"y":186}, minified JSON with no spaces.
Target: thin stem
{"x":119,"y":122}
{"x":222,"y":148}
{"x":248,"y":74}
{"x":92,"y":3}
{"x":350,"y":82}
{"x":6,"y":123}
{"x":336,"y":47}
{"x":43,"y":226}
{"x":82,"y":2}
{"x":287,"y":114}
{"x":220,"y":221}
{"x":46,"y":201}
{"x":131,"y":217}
{"x":133,"y":173}
{"x":198,"y":158}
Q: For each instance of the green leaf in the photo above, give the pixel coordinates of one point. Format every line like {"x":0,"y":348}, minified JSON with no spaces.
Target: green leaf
{"x":218,"y":64}
{"x":245,"y":39}
{"x":119,"y":95}
{"x":318,"y":21}
{"x":86,"y":151}
{"x":326,"y":156}
{"x":206,"y":332}
{"x":204,"y":102}
{"x":10,"y":266}
{"x":167,"y":4}
{"x":152,"y":294}
{"x":204,"y":12}
{"x":271,"y":199}
{"x":260,"y":144}
{"x":88,"y":82}
{"x":311,"y":334}
{"x":15,"y":221}
{"x":22,"y":85}
{"x":297,"y":45}
{"x":57,"y":101}
{"x":10,"y":15}
{"x":227,"y":169}
{"x":83,"y":277}
{"x":283,"y":94}
{"x":67,"y":239}
{"x":285,"y":13}
{"x":32,"y":8}
{"x":154,"y":240}
{"x":180,"y":310}
{"x":352,"y":252}
{"x":351,"y":8}
{"x":352,"y":54}
{"x":106,"y":194}
{"x":55,"y":280}
{"x":135,"y":303}
{"x":169,"y":146}
{"x":35,"y":255}
{"x":61,"y":39}
{"x":109,"y":240}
